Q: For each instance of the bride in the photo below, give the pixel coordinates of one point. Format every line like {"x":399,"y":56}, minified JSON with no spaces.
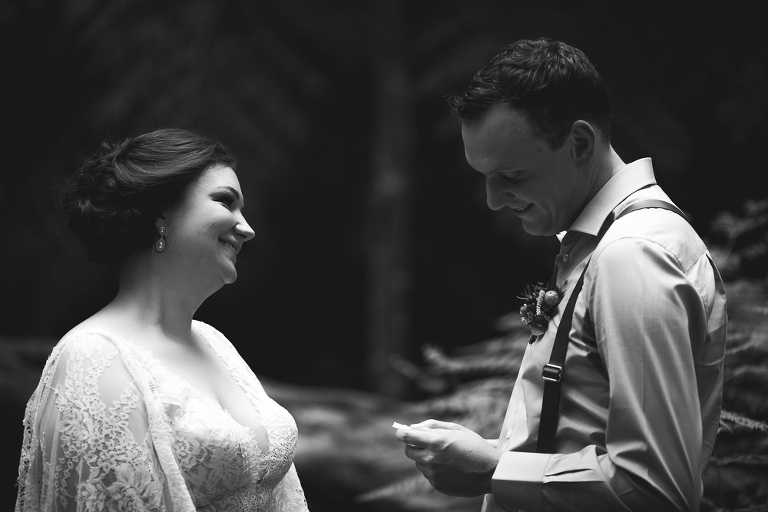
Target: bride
{"x":140,"y":406}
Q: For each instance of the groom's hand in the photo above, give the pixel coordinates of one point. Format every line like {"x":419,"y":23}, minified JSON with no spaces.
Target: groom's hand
{"x":454,"y":459}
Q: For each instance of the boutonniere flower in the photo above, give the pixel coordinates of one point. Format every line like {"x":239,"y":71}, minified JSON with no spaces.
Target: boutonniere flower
{"x":539,"y":306}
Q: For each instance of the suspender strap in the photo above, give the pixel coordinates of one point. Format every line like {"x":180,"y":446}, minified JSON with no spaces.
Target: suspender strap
{"x":647,"y":203}
{"x":553,"y":375}
{"x":553,"y":370}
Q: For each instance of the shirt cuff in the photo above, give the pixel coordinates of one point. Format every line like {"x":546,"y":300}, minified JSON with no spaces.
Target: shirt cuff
{"x":517,"y":481}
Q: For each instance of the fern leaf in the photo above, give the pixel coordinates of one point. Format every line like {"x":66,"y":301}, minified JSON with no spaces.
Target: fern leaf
{"x":751,"y":343}
{"x":474,"y":365}
{"x":743,"y":459}
{"x":733,"y":422}
{"x":753,"y":375}
{"x":405,"y":487}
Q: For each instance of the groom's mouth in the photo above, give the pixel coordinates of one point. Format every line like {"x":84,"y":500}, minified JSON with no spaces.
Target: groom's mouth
{"x":522,"y":209}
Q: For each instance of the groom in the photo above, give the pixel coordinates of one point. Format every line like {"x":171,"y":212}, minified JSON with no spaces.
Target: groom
{"x":623,"y":414}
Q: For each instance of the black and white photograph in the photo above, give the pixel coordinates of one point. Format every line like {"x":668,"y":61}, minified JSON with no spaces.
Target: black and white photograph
{"x":383,"y":256}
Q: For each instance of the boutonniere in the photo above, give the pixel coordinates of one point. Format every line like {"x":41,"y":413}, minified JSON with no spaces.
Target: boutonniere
{"x":539,"y":306}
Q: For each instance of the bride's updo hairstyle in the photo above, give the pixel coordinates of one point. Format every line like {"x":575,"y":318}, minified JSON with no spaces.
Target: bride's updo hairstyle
{"x":114,"y":198}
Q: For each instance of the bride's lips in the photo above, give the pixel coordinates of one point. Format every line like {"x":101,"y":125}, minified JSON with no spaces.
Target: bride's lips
{"x":231,"y":246}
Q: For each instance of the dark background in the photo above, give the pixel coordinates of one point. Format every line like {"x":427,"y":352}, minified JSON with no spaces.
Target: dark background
{"x":324,"y":102}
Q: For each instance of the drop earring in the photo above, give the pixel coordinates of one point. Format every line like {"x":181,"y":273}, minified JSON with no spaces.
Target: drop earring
{"x":160,"y":244}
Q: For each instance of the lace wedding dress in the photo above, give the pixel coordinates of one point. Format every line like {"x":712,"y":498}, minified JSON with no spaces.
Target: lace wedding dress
{"x":108,"y":428}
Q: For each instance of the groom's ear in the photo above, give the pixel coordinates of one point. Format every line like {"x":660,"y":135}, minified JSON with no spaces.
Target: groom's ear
{"x":581,"y":140}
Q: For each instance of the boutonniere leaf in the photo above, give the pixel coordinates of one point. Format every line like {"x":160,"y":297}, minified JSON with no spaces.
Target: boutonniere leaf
{"x":539,"y":306}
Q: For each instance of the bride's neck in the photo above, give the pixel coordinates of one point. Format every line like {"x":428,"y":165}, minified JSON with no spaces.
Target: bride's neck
{"x":155,"y":303}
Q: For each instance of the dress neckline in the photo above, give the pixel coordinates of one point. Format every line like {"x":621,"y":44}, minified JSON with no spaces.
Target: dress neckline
{"x":184,"y":383}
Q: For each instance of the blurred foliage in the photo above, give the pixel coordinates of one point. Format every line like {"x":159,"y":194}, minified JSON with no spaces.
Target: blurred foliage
{"x":737,"y":476}
{"x":743,"y":249}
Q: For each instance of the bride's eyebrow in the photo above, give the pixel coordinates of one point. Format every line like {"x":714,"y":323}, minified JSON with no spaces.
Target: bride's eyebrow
{"x":234,"y":191}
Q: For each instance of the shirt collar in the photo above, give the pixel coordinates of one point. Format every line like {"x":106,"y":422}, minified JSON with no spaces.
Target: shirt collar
{"x":628,"y":180}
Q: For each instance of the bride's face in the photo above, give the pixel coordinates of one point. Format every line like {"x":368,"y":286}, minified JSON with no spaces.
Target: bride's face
{"x":206,"y":231}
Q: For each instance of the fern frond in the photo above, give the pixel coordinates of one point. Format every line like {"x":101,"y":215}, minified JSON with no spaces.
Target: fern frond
{"x":731,"y":225}
{"x":743,"y":459}
{"x":749,"y":343}
{"x":405,"y":487}
{"x":733,"y":422}
{"x":754,"y":250}
{"x":755,"y":206}
{"x":515,"y":339}
{"x":746,"y":401}
{"x":753,"y":375}
{"x":479,"y":364}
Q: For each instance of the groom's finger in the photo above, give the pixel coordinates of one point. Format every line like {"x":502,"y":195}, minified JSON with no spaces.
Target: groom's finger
{"x":437,"y":424}
{"x":414,"y":453}
{"x":412,"y":437}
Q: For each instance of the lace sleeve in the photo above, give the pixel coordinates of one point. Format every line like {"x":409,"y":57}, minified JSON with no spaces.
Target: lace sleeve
{"x":86,"y":441}
{"x":288,"y":495}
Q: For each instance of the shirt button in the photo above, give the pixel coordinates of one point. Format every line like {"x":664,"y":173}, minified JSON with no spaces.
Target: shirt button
{"x":566,"y":257}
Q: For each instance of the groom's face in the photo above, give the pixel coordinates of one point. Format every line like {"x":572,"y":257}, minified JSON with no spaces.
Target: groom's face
{"x":540,"y":185}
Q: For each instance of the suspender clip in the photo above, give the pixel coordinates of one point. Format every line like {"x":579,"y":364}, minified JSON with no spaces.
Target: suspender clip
{"x":552,"y":372}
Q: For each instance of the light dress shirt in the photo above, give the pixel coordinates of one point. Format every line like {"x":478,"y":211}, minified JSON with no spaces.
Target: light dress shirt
{"x":643,"y":377}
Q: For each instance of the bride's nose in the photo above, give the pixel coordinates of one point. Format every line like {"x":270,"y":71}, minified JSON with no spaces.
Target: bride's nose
{"x":244,"y":229}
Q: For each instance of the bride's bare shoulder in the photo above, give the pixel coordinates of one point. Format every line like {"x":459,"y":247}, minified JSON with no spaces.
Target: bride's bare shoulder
{"x":104,"y":322}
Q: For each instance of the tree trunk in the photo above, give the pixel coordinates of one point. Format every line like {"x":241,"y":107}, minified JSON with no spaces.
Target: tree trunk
{"x":389,"y":209}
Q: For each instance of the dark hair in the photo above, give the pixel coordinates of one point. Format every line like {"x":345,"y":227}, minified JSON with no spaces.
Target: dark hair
{"x":551,"y":83}
{"x":113,"y":199}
